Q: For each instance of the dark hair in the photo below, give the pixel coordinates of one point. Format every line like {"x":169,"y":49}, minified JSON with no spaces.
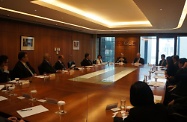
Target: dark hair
{"x":169,"y":60}
{"x":86,"y":55}
{"x":3,"y":58}
{"x":99,"y":55}
{"x":176,"y":57}
{"x":60,"y":56}
{"x":21,"y":55}
{"x":141,"y":94}
{"x":182,"y":61}
{"x":163,"y":55}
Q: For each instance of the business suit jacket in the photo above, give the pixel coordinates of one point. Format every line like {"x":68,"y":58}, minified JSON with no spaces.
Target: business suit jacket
{"x":162,"y":64}
{"x":141,"y":61}
{"x":20,"y":71}
{"x":86,"y":62}
{"x":46,"y":67}
{"x":59,"y":65}
{"x":4,"y":76}
{"x":151,"y":113}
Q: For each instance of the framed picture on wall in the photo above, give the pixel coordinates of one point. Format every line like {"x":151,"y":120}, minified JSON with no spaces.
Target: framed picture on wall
{"x":76,"y":45}
{"x":27,"y":43}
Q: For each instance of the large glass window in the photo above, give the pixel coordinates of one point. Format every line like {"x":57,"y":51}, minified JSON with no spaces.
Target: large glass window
{"x":181,"y":47}
{"x":166,"y":46}
{"x":148,"y":49}
{"x":108,"y":48}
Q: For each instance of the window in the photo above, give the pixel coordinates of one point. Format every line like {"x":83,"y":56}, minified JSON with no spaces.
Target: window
{"x":181,"y":47}
{"x":148,"y":49}
{"x":108,"y":48}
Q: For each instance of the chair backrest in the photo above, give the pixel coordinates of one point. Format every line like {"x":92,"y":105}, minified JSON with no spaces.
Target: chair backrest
{"x":70,"y":63}
{"x":40,"y":70}
{"x":94,"y":61}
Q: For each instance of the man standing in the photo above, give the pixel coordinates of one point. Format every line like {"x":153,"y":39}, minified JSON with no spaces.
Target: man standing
{"x":22,"y":68}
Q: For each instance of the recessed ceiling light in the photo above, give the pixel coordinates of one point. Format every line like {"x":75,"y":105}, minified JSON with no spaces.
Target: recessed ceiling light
{"x":160,"y":9}
{"x":35,"y":10}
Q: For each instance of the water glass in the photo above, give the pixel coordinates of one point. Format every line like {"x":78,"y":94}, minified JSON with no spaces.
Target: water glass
{"x":123,"y":103}
{"x":61,"y":107}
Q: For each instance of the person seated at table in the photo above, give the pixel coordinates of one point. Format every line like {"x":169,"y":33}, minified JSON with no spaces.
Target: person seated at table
{"x":144,"y":110}
{"x":138,"y":59}
{"x":45,"y":66}
{"x":177,"y":110}
{"x":175,"y":59}
{"x":121,"y":59}
{"x":99,"y":59}
{"x":10,"y":119}
{"x":23,"y":69}
{"x":171,"y":68}
{"x":86,"y":61}
{"x":59,"y":65}
{"x":162,"y":61}
{"x":4,"y":72}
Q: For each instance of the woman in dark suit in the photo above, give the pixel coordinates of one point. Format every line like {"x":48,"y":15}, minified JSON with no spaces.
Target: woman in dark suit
{"x":144,"y":110}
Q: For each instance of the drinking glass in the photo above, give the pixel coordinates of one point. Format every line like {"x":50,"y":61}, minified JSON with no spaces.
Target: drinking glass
{"x":11,"y":89}
{"x":17,"y":80}
{"x":122,"y":104}
{"x":33,"y":93}
{"x":61,"y":107}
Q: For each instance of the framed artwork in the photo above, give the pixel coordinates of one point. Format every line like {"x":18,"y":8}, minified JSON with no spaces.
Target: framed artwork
{"x":76,"y":45}
{"x":27,"y":43}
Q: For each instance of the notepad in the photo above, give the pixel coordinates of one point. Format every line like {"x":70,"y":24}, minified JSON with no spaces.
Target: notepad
{"x":32,"y":111}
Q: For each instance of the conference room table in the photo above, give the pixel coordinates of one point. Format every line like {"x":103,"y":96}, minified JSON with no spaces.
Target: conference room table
{"x":86,"y":93}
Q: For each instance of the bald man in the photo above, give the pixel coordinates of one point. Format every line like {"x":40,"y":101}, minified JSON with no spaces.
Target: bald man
{"x":138,"y":59}
{"x":59,"y":65}
{"x":45,"y":66}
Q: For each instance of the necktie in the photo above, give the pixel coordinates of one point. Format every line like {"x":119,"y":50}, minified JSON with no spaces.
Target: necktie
{"x":28,"y":69}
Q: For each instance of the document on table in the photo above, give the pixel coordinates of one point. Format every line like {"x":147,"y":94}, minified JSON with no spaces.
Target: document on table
{"x":32,"y":111}
{"x":3,"y":98}
{"x":157,"y":99}
{"x":153,"y":83}
{"x":2,"y":86}
{"x":39,"y":76}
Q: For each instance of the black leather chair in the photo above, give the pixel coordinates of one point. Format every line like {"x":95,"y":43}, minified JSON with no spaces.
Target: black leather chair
{"x":176,"y":117}
{"x":40,"y":70}
{"x":70,"y":63}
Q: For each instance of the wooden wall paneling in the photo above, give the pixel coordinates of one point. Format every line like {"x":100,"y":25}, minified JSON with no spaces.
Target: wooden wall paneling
{"x":129,"y":51}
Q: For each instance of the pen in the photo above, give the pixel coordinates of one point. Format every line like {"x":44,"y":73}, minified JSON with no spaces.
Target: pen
{"x":25,"y":109}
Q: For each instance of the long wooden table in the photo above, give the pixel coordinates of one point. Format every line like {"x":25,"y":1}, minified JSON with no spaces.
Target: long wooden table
{"x":85,"y":102}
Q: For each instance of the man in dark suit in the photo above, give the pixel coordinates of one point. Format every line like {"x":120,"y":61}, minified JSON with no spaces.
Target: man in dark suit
{"x":138,"y":59}
{"x":162,"y":61}
{"x":4,"y":73}
{"x":121,"y":59}
{"x":23,"y":69}
{"x":45,"y":66}
{"x":59,"y":65}
{"x":86,"y":61}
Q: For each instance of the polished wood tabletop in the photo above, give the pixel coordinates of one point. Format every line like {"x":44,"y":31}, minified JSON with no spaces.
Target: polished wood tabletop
{"x":85,"y":101}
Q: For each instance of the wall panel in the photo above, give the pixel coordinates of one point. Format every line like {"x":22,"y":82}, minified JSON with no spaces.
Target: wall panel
{"x":46,"y":39}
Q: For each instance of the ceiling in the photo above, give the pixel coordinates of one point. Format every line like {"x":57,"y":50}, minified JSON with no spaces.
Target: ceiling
{"x":101,"y":16}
